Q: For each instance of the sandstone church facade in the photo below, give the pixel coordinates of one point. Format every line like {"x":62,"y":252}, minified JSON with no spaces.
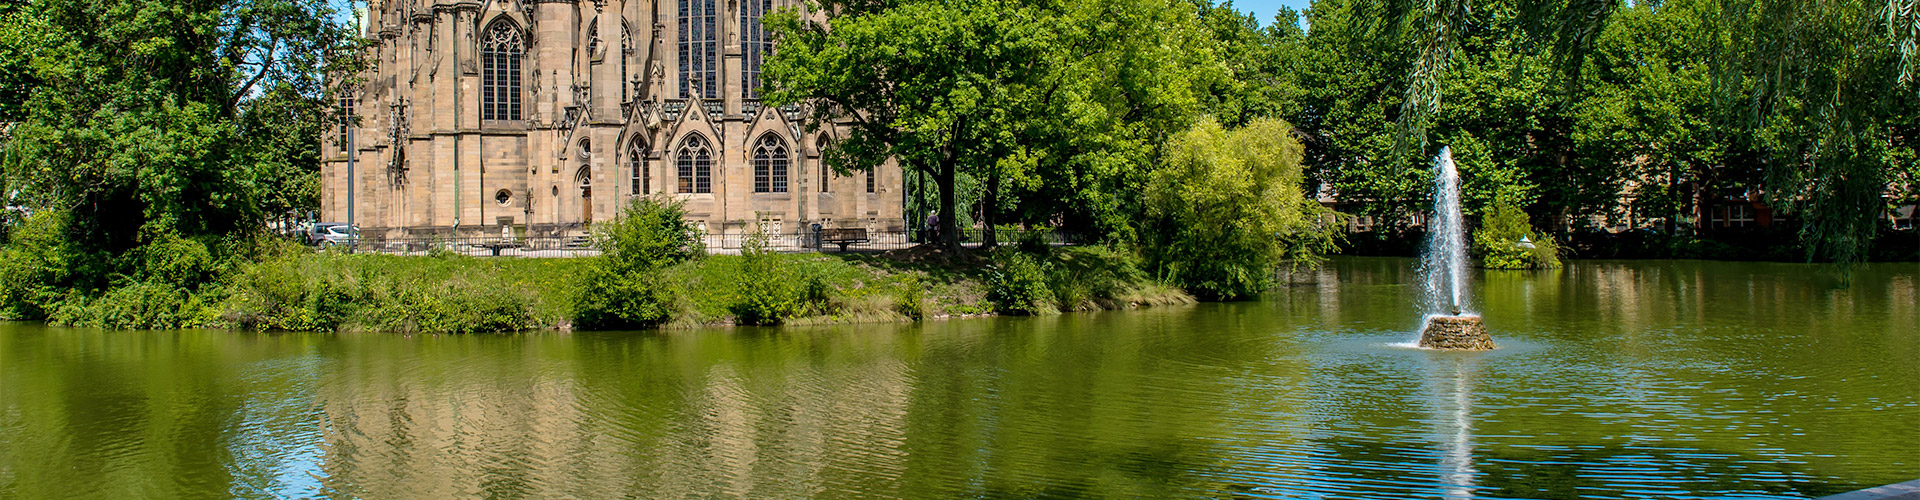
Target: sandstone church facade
{"x":548,"y":115}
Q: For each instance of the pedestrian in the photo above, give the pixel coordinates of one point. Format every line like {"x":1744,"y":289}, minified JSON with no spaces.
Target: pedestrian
{"x":933,"y":227}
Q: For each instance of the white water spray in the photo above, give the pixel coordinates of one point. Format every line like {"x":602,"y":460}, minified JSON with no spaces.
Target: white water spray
{"x":1445,"y":264}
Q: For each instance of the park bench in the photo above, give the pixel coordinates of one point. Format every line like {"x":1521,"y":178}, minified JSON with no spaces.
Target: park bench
{"x":498,"y":246}
{"x":843,"y":236}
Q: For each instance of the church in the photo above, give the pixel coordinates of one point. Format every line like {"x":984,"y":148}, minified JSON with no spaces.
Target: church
{"x":543,"y":116}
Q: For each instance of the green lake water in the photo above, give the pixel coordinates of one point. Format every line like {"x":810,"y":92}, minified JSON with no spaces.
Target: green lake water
{"x":1648,"y":379}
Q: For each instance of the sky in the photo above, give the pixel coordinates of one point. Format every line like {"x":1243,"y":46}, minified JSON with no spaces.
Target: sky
{"x":1264,"y":9}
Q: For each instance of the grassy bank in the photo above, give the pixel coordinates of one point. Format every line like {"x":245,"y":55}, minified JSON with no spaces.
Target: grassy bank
{"x":651,"y":274}
{"x":456,"y":294}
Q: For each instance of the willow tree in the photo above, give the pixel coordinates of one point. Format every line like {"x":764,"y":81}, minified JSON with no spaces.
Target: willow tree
{"x":1827,"y":86}
{"x":1226,"y":210}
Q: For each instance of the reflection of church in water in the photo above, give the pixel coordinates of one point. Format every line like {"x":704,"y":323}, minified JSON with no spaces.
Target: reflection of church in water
{"x":551,"y":114}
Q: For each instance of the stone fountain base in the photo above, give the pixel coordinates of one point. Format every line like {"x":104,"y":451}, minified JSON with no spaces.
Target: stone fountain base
{"x":1463,"y":333}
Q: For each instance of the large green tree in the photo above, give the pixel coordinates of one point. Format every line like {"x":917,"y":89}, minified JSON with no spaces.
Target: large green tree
{"x":1053,"y":110}
{"x":164,"y":121}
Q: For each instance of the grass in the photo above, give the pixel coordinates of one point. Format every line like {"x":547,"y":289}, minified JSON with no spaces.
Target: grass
{"x":458,"y":294}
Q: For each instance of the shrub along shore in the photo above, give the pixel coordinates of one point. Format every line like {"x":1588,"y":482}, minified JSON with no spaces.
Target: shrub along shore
{"x":450,"y":293}
{"x":650,"y":275}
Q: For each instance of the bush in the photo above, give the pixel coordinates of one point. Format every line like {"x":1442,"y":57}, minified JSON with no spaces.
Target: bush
{"x":295,"y":293}
{"x":1228,"y":208}
{"x":767,"y":293}
{"x":135,"y":306}
{"x":626,"y":288}
{"x":1497,"y":241}
{"x":620,"y":301}
{"x":34,"y":267}
{"x":912,"y":300}
{"x":651,"y":234}
{"x":1017,"y":284}
{"x":453,"y":306}
{"x":457,"y":294}
{"x":172,"y":259}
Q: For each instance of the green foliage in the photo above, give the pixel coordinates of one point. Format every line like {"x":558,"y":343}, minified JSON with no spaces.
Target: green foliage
{"x":331,"y":292}
{"x":1227,"y":210}
{"x":159,"y":128}
{"x":652,"y":233}
{"x":169,"y":258}
{"x":136,"y":306}
{"x":34,"y":267}
{"x":912,"y":300}
{"x":1683,"y":101}
{"x":1048,"y":110}
{"x":1497,"y":241}
{"x":625,"y":288}
{"x":294,"y":294}
{"x":616,"y":301}
{"x":768,"y":294}
{"x":457,"y":305}
{"x":1017,"y":284}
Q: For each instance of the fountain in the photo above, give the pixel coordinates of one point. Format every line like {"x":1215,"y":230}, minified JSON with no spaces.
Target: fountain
{"x":1444,"y":269}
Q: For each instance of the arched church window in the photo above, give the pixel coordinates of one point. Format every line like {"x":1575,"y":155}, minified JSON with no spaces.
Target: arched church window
{"x":500,"y":53}
{"x":770,"y":165}
{"x":593,"y":37}
{"x":821,"y":149}
{"x":699,"y":49}
{"x":754,"y":45}
{"x":641,"y":179}
{"x":695,"y":165}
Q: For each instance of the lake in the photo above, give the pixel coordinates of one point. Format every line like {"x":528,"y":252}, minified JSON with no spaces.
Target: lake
{"x":1615,"y":379}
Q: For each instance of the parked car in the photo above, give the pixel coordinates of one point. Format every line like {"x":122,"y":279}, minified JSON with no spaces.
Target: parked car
{"x":330,"y":234}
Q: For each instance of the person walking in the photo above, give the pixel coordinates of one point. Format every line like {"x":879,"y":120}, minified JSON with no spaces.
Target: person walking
{"x":933,"y":228}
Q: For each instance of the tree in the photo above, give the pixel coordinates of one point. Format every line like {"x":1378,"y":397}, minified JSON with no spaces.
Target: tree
{"x":147,"y":121}
{"x":1226,"y":210}
{"x":925,"y":83}
{"x":1052,"y":109}
{"x":1820,"y":81}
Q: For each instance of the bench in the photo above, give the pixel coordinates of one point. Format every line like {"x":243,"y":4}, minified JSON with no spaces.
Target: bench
{"x":497,"y":247}
{"x":843,"y":236}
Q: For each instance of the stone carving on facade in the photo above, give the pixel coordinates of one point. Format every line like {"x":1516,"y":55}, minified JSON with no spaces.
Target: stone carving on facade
{"x":398,"y":130}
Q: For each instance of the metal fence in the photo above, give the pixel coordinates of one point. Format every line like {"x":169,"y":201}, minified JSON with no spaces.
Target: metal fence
{"x":724,"y":243}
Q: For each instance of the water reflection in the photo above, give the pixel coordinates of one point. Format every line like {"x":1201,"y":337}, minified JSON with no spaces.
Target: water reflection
{"x":1615,"y":380}
{"x":1453,"y":390}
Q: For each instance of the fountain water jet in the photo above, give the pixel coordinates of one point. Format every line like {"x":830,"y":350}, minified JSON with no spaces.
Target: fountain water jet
{"x":1450,"y":323}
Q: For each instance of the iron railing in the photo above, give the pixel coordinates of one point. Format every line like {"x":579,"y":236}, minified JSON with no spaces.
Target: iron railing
{"x":722,"y":243}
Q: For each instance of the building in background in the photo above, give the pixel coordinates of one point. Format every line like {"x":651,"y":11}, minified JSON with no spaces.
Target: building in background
{"x":547,"y":115}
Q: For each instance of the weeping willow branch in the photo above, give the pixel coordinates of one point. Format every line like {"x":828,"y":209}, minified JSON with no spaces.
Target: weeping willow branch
{"x":1442,"y":21}
{"x":1903,"y":29}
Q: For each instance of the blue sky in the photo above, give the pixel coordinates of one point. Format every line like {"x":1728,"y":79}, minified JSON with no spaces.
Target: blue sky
{"x":1264,"y":9}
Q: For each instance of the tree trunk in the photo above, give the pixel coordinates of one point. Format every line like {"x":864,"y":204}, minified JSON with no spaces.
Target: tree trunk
{"x":989,"y":211}
{"x":949,"y":228}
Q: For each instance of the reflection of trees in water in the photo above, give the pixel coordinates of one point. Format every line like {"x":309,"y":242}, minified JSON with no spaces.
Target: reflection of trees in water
{"x":1567,"y":470}
{"x":1020,"y":408}
{"x":1260,"y":398}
